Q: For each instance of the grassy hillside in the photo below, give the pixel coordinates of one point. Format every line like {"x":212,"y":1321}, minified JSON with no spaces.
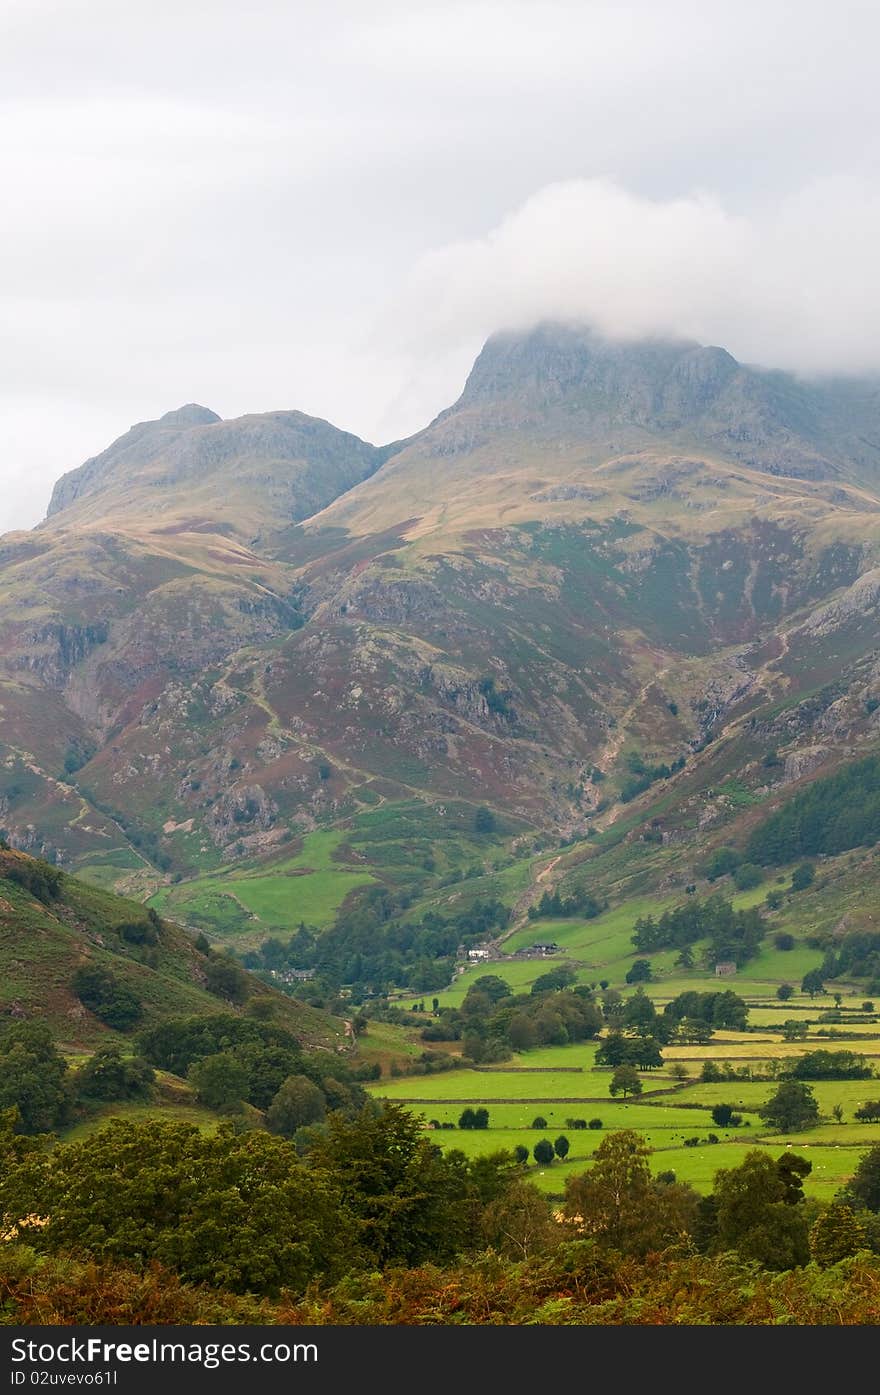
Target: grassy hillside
{"x":49,"y":930}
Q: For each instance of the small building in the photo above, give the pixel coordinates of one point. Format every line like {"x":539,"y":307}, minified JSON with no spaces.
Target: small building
{"x":476,"y":956}
{"x":726,"y":969}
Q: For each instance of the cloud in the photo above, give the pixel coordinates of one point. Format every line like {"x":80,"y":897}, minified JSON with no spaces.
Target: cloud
{"x":791,"y":284}
{"x":238,"y":204}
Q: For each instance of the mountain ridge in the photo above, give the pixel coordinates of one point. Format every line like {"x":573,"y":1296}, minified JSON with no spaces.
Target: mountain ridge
{"x":565,"y":572}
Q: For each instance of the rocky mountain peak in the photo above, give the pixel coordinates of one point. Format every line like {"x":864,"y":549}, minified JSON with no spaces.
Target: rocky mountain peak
{"x":189,"y":415}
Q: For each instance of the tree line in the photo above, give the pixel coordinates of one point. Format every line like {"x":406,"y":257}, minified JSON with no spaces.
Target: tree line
{"x":368,"y":1206}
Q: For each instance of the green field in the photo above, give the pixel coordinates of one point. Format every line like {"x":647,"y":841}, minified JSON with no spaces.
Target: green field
{"x":254,"y":903}
{"x":562,"y":1082}
{"x":601,"y":949}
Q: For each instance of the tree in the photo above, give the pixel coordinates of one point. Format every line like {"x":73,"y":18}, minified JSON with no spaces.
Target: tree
{"x":561,"y":1146}
{"x":108,"y":1075}
{"x":220,"y":1081}
{"x":619,"y":1205}
{"x":639,"y":1013}
{"x":865,"y":1181}
{"x":492,"y":986}
{"x":813,"y":982}
{"x":625,"y":1081}
{"x":111,"y":1001}
{"x":298,"y":1102}
{"x":803,"y":876}
{"x":679,"y":1071}
{"x":481,"y":1118}
{"x":639,"y":972}
{"x":792,"y":1107}
{"x":747,"y":876}
{"x":225,"y":979}
{"x":521,"y":1153}
{"x":543,"y":1152}
{"x":612,"y":1050}
{"x":757,"y":1212}
{"x":521,"y":1032}
{"x":240,"y":1206}
{"x":724,"y":1116}
{"x":794,"y":1030}
{"x":519,"y":1223}
{"x":539,"y":1122}
{"x":484,"y":820}
{"x":411,"y":1202}
{"x":784,"y":992}
{"x":267,"y":1069}
{"x":466,"y":1118}
{"x":32,"y":1076}
{"x":836,"y":1234}
{"x":837,"y":1113}
{"x":868,"y":1113}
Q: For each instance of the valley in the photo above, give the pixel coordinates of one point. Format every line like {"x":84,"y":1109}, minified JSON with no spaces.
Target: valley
{"x":350,"y":792}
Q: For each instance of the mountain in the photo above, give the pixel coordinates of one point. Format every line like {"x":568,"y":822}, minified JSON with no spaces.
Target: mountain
{"x":279,"y":665}
{"x":190,"y":471}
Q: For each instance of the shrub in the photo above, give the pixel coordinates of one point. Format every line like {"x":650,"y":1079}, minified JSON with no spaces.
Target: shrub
{"x":112,"y":1002}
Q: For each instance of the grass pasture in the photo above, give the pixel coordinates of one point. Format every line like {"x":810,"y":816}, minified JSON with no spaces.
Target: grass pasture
{"x":249,"y":905}
{"x":563,"y":1082}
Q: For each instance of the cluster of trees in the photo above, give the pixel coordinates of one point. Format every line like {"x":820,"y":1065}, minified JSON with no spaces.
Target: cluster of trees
{"x":493,"y":1022}
{"x":833,"y":814}
{"x":251,"y":1211}
{"x":638,"y":1031}
{"x":111,"y":1001}
{"x":724,"y":1009}
{"x":641,"y":775}
{"x":831,"y":1065}
{"x":371,"y":949}
{"x":637,"y":1052}
{"x":36,"y":1082}
{"x":474,"y":1118}
{"x":364,"y":1209}
{"x":732,"y":935}
{"x":856,"y":955}
{"x":553,"y":905}
{"x":544,"y":1151}
{"x":236,"y":1061}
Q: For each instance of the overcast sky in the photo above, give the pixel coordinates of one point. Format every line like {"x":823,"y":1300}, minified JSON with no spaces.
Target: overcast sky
{"x":329,"y":206}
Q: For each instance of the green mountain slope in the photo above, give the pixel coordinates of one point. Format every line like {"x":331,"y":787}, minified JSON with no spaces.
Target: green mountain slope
{"x":53,"y":926}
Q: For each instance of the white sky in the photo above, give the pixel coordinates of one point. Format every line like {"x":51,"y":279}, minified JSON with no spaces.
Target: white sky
{"x":329,"y":206}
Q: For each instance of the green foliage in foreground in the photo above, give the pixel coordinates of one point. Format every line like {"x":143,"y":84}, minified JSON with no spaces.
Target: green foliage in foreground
{"x":367,"y":1206}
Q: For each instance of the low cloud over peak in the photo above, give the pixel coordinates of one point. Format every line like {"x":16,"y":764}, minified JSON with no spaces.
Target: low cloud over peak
{"x":791,"y":284}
